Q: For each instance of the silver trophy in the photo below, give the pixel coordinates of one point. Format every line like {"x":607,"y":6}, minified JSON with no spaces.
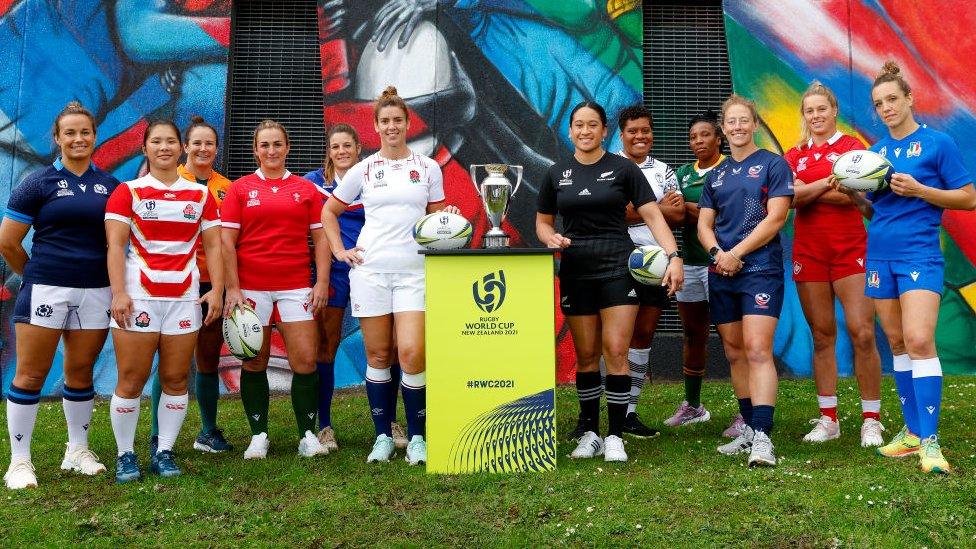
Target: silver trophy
{"x":496,"y":194}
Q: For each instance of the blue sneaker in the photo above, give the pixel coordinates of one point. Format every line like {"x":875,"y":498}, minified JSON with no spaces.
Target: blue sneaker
{"x":162,"y":464}
{"x":213,"y":442}
{"x":153,"y":444}
{"x":127,"y":468}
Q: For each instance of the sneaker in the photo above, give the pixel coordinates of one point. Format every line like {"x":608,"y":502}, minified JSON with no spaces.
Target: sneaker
{"x":762,"y":454}
{"x":634,"y":427}
{"x":258,"y":448}
{"x":590,"y":445}
{"x":871,"y":433}
{"x":904,"y":444}
{"x":824,"y":429}
{"x":81,"y":460}
{"x":417,"y":450}
{"x":213,"y":442}
{"x":20,"y":474}
{"x":932,"y":459}
{"x":328,"y":439}
{"x":613,"y":449}
{"x":310,"y":446}
{"x":127,"y":468}
{"x":580,"y":429}
{"x":686,"y":415}
{"x":153,"y":444}
{"x":383,"y":450}
{"x":399,"y":436}
{"x":162,"y":464}
{"x":736,"y":428}
{"x":740,"y":445}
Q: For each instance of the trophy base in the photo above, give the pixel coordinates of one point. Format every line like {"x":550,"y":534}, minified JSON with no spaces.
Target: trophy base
{"x":494,"y":241}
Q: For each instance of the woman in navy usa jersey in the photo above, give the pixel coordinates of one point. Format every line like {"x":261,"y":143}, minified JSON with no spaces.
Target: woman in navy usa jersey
{"x":65,"y":293}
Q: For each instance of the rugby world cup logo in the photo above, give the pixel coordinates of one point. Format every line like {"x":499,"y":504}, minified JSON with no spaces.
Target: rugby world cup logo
{"x":489,"y":292}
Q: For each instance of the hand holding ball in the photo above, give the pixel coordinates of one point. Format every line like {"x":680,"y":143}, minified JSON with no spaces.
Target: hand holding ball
{"x":648,"y":264}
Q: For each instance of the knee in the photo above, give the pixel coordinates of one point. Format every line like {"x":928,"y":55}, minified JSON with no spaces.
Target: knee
{"x":862,"y":337}
{"x":174,"y":383}
{"x":758,"y":351}
{"x":919,"y":344}
{"x":378,"y":358}
{"x":29,"y":380}
{"x":824,"y":338}
{"x":641,"y":339}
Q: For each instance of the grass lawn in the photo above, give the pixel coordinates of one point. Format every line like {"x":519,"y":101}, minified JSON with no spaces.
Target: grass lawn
{"x":676,"y":491}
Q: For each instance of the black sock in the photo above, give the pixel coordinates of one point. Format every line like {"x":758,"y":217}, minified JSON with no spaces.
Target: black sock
{"x":618,"y":396}
{"x":588,"y":389}
{"x":762,"y":418}
{"x":745,"y":409}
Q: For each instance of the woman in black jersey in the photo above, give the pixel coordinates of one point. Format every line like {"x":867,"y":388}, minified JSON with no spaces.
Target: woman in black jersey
{"x":591,"y":192}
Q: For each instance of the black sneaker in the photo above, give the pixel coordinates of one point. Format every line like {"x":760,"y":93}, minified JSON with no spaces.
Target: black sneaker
{"x":635,"y":428}
{"x":581,"y":428}
{"x":212,"y":442}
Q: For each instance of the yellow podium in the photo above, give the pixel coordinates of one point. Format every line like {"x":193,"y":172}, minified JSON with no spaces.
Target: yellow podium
{"x":491,"y":360}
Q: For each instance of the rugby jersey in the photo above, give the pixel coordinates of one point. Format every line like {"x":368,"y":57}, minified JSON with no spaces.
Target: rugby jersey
{"x":662,"y":180}
{"x":814,"y":162}
{"x":218,"y":185}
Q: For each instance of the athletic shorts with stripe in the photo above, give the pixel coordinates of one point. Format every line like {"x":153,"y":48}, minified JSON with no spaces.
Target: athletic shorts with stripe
{"x":62,"y":308}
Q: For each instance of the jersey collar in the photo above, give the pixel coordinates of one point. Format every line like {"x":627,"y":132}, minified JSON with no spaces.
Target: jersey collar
{"x":833,"y":139}
{"x":260,"y":174}
{"x":699,"y":169}
{"x":647,"y":163}
{"x":58,"y":165}
{"x":186,"y":174}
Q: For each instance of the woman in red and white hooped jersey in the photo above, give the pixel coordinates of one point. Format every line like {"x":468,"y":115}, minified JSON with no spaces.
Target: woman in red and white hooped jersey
{"x":153,"y":225}
{"x":267,"y":217}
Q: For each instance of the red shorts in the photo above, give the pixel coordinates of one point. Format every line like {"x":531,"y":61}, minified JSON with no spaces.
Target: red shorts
{"x":828,"y":257}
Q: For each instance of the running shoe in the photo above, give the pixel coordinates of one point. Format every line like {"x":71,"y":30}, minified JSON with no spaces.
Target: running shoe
{"x":81,"y":460}
{"x":590,"y":445}
{"x":417,"y":451}
{"x":328,"y":439}
{"x":903,"y":444}
{"x":580,"y":430}
{"x":399,"y":436}
{"x":614,"y":449}
{"x":127,"y":468}
{"x":382,"y":450}
{"x":871,"y":433}
{"x":824,"y":429}
{"x":20,"y":474}
{"x":212,"y":442}
{"x":634,"y":427}
{"x":740,"y":445}
{"x":762,"y":453}
{"x":932,"y":460}
{"x":687,"y":414}
{"x":162,"y":464}
{"x":309,"y":446}
{"x":736,"y":428}
{"x":258,"y":448}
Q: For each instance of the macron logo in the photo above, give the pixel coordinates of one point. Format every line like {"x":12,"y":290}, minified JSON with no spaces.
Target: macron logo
{"x":914,"y":275}
{"x":606,"y":174}
{"x":584,"y":192}
{"x":931,"y":409}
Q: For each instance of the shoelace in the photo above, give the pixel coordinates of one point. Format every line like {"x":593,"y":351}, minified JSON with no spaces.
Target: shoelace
{"x":931,"y":445}
{"x":128,"y":462}
{"x":22,"y":466}
{"x":86,"y":453}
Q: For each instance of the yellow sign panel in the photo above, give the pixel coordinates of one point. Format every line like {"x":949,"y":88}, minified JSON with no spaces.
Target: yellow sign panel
{"x":490,"y":363}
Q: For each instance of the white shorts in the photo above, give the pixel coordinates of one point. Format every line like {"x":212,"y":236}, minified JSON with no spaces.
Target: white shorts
{"x":62,"y":308}
{"x":164,"y":317}
{"x":378,"y":294}
{"x":696,"y":285}
{"x":293,"y":305}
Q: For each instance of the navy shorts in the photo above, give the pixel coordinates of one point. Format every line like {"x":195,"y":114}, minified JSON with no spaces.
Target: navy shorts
{"x":338,"y":284}
{"x":588,"y":296}
{"x":889,"y":279}
{"x":731,"y":298}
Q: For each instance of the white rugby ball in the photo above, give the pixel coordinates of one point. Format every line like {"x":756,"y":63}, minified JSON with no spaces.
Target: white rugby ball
{"x":862,"y":171}
{"x":243,"y":333}
{"x":647,"y":264}
{"x":442,"y":231}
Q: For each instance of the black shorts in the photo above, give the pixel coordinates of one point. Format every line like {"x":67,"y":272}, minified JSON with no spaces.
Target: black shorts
{"x":587,"y":296}
{"x":653,"y":295}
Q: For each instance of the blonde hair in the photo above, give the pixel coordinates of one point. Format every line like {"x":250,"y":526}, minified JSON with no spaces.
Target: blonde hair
{"x":329,"y":166}
{"x":891,"y":72}
{"x":268,"y":124}
{"x":71,"y":108}
{"x":736,"y":99}
{"x":815,"y":88}
{"x":390,"y":98}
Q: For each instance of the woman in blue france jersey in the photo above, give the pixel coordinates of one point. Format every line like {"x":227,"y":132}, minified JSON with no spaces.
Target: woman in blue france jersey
{"x":65,"y":292}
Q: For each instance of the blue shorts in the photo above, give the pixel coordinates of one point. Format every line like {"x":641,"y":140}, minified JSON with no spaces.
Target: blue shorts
{"x":338,"y":284}
{"x":888,"y":279}
{"x":730,"y":298}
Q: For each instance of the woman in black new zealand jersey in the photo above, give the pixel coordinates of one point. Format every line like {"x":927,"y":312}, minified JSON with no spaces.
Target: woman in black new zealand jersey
{"x":597,"y":294}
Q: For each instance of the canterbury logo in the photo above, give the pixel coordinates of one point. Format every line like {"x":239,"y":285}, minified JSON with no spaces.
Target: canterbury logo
{"x":173,"y":406}
{"x":124,"y":410}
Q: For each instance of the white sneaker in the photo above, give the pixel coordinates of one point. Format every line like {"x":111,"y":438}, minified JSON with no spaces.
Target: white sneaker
{"x":20,"y":474}
{"x":81,"y":460}
{"x":613,"y":449}
{"x":740,"y":444}
{"x":310,"y":446}
{"x":824,"y":429}
{"x":590,"y":445}
{"x":258,"y":448}
{"x":417,"y":450}
{"x":399,"y":436}
{"x":762,"y":453}
{"x":382,"y":450}
{"x":871,"y":433}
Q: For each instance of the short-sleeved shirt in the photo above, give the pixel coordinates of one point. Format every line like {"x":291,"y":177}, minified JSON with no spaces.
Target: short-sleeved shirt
{"x":908,"y":228}
{"x":592,"y":200}
{"x":394,"y":194}
{"x":274,"y":217}
{"x":352,"y":220}
{"x":165,"y":224}
{"x":662,"y":180}
{"x":811,"y":163}
{"x":739,"y":193}
{"x":217,"y":185}
{"x":691,"y":179}
{"x":67,"y":213}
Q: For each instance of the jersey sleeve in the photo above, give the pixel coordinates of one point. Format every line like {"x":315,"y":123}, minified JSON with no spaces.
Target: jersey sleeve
{"x":780,"y":178}
{"x":639,"y":191}
{"x":230,"y":208}
{"x":707,"y":199}
{"x":790,"y":158}
{"x":119,"y":205}
{"x":546,"y":202}
{"x":315,"y":211}
{"x":952,"y":171}
{"x":351,"y":185}
{"x":435,"y":191}
{"x":25,"y":201}
{"x":670,"y":180}
{"x":211,"y":215}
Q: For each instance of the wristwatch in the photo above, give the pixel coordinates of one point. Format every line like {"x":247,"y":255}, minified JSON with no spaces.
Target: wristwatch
{"x":673,"y":255}
{"x":714,"y":252}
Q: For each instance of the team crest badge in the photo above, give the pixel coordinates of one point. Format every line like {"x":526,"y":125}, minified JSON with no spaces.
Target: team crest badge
{"x":914,"y":149}
{"x":189,"y":212}
{"x":44,"y":311}
{"x":100,"y":189}
{"x":874,"y":281}
{"x":754,"y":171}
{"x":143,"y":320}
{"x":221,"y":194}
{"x":762,"y":301}
{"x":797,"y":267}
{"x":297,"y":197}
{"x":414,"y":177}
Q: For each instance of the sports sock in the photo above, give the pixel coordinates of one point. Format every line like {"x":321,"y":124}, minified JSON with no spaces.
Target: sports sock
{"x":78,"y":405}
{"x":618,"y":395}
{"x":396,"y":375}
{"x":415,"y":403}
{"x":693,"y":385}
{"x":762,"y":418}
{"x":125,"y":418}
{"x":305,"y":400}
{"x":588,"y":389}
{"x":378,"y":381}
{"x":603,"y":372}
{"x":639,"y":361}
{"x":326,"y":372}
{"x":255,"y":396}
{"x":171,"y":413}
{"x":22,"y":408}
{"x":902,"y":366}
{"x":745,"y":410}
{"x":871,"y":409}
{"x":207,"y":387}
{"x":927,"y":380}
{"x":828,"y":406}
{"x":155,"y":391}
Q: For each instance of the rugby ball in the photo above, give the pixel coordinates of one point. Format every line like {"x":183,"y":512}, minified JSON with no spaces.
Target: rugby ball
{"x":442,"y":231}
{"x":648,"y":264}
{"x":862,"y":171}
{"x":243,"y":333}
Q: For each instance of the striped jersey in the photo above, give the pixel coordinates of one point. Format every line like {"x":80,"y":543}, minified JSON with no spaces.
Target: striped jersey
{"x":662,"y":180}
{"x":218,"y":186}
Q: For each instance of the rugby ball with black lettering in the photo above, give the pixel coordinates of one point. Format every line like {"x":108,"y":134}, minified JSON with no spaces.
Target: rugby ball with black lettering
{"x":442,"y":231}
{"x":862,"y":171}
{"x":648,"y":264}
{"x":243,"y":333}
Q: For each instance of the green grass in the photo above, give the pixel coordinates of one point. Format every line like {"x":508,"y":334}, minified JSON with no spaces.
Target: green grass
{"x":676,"y":490}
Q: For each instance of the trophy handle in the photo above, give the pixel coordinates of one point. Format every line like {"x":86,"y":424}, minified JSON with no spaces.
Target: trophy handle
{"x":518,"y":178}
{"x":474,"y":177}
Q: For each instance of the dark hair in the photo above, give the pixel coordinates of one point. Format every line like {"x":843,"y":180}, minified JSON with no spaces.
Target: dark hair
{"x":634,"y":112}
{"x":709,"y":117}
{"x":161,"y":122}
{"x":329,"y":170}
{"x":73,"y":107}
{"x":891,"y":72}
{"x":197,"y":121}
{"x":390,"y":98}
{"x":589,"y":105}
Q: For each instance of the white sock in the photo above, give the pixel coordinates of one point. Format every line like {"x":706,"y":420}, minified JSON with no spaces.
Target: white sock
{"x":78,"y":414}
{"x":638,"y":360}
{"x":20,"y":426}
{"x":125,"y":418}
{"x":171,"y":413}
{"x":871,"y":406}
